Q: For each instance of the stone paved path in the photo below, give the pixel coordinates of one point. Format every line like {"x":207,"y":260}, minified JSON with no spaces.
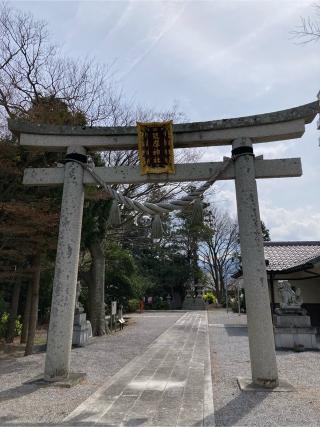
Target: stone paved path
{"x":168,"y":385}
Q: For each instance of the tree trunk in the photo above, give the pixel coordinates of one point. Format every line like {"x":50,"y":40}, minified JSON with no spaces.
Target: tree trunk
{"x":33,"y":319}
{"x":216,"y":280}
{"x":26,"y":315}
{"x":222,"y":284}
{"x":96,"y":299}
{"x":13,"y":312}
{"x":86,"y":279}
{"x":220,"y":289}
{"x":220,"y":294}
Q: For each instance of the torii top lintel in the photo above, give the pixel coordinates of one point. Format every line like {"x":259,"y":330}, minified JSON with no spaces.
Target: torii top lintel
{"x":275,"y":126}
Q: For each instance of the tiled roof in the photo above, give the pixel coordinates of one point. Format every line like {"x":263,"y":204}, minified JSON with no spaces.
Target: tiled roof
{"x":290,"y":256}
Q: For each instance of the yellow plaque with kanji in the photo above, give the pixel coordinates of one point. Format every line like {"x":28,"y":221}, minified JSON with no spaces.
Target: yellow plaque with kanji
{"x":155,"y":144}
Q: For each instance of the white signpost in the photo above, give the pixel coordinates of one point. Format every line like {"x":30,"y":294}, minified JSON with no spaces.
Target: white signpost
{"x":114,"y":308}
{"x":241,"y":134}
{"x":113,"y":315}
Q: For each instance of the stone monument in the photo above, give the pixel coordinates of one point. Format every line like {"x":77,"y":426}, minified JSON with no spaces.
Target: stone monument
{"x":82,"y":330}
{"x":292,"y":325}
{"x":193,"y":299}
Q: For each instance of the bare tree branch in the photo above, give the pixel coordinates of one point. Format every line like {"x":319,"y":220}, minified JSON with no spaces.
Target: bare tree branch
{"x":220,"y":249}
{"x":309,"y":28}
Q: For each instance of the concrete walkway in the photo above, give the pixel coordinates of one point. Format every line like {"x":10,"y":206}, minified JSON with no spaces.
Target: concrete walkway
{"x":168,"y":385}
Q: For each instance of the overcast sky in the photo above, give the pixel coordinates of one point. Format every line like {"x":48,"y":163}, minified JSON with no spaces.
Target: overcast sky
{"x":217,"y":59}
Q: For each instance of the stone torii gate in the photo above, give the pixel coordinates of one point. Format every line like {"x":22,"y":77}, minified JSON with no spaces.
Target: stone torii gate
{"x":241,"y":134}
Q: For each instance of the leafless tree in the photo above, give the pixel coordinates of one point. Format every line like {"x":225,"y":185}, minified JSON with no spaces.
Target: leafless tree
{"x":309,"y":28}
{"x":32,"y":67}
{"x":220,"y":249}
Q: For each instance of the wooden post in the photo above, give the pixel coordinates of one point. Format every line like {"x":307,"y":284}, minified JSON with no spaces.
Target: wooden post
{"x":13,"y":311}
{"x":26,"y":315}
{"x":33,"y":319}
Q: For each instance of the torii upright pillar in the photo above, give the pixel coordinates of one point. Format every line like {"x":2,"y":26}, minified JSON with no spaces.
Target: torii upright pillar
{"x":57,"y":365}
{"x":260,"y":330}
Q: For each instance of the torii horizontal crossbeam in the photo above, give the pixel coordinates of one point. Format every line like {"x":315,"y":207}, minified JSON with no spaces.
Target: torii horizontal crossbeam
{"x":279,"y":168}
{"x":280,"y":125}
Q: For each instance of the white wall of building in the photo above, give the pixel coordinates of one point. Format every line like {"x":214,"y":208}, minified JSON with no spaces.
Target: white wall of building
{"x":310,"y":288}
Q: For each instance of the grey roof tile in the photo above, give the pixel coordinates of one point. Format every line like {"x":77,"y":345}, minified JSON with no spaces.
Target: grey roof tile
{"x":283,"y":256}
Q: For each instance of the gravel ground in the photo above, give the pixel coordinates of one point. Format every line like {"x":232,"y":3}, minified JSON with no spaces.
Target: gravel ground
{"x":230,"y":358}
{"x":32,"y":404}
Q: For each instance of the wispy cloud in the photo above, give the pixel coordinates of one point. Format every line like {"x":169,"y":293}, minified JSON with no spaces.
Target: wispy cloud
{"x":219,"y":59}
{"x":166,"y":21}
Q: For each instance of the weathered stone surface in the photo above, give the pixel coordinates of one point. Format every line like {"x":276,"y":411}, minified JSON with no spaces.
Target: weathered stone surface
{"x":57,"y":364}
{"x":260,"y":330}
{"x":81,"y":330}
{"x":291,"y":321}
{"x":295,"y":338}
{"x":168,"y":385}
{"x":306,"y":112}
{"x":246,"y":384}
{"x":194,"y":303}
{"x":278,"y":168}
{"x":73,"y":379}
{"x":280,"y":125}
{"x":203,"y":138}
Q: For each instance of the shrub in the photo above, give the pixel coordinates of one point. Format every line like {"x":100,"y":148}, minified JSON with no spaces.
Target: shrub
{"x":18,"y":329}
{"x":235,"y":305}
{"x":210,"y":298}
{"x":159,"y":304}
{"x":4,"y":325}
{"x":133,"y":305}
